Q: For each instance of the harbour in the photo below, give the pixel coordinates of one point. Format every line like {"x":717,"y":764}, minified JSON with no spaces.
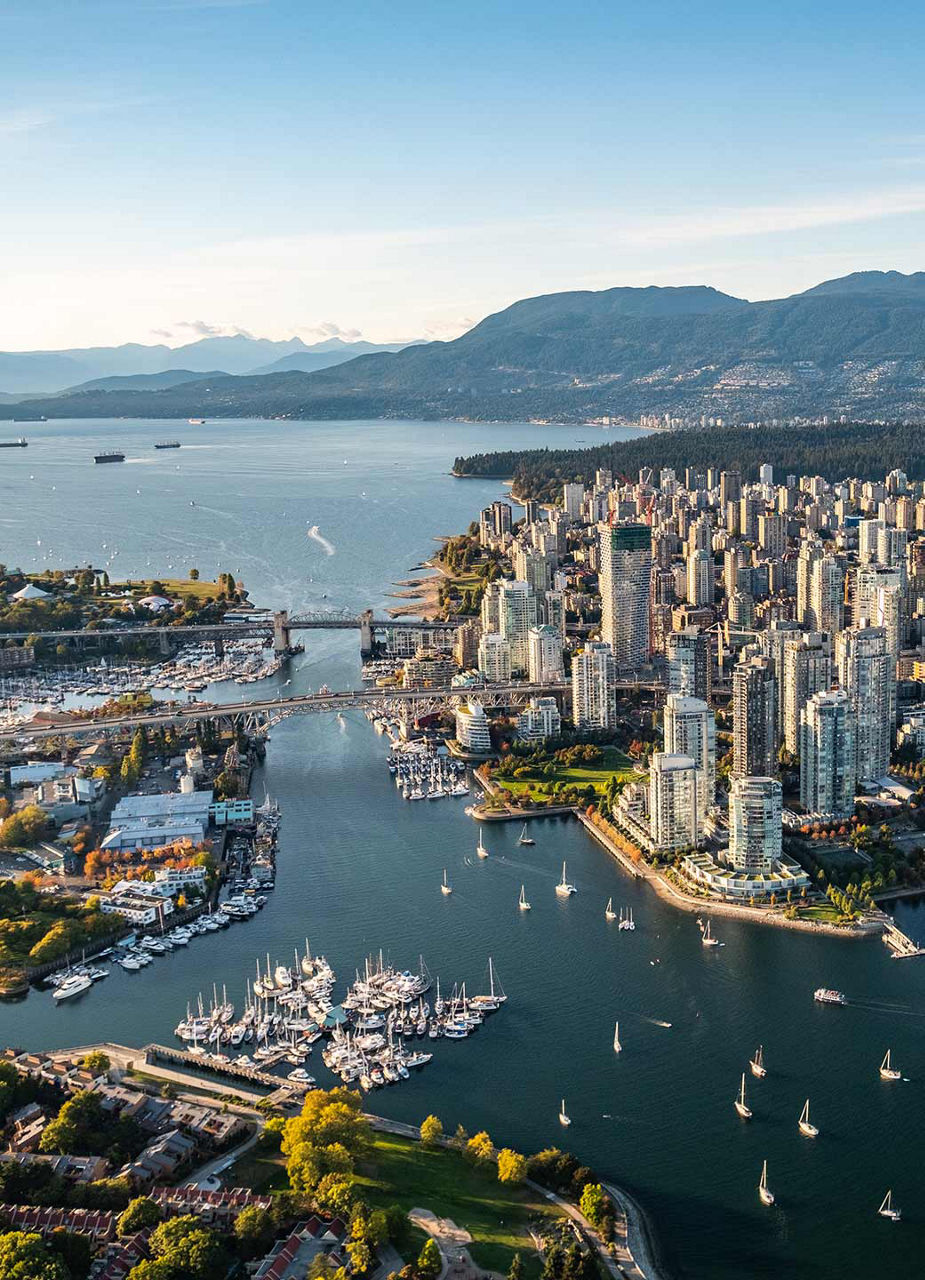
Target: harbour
{"x":359,"y":869}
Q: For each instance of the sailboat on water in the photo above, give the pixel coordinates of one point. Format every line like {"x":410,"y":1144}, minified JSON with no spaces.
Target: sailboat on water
{"x":522,"y":900}
{"x":741,"y":1105}
{"x":445,"y":887}
{"x":564,"y":1118}
{"x":886,"y":1209}
{"x":523,"y":838}
{"x":563,"y":888}
{"x":757,"y":1063}
{"x":887,"y":1070}
{"x":706,"y":936}
{"x":617,"y":1046}
{"x":765,"y":1194}
{"x":480,"y":849}
{"x":609,"y":913}
{"x":806,"y":1128}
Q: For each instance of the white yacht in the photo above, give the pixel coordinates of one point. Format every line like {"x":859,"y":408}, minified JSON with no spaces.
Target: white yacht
{"x":765,"y":1194}
{"x":757,"y":1063}
{"x":524,"y":838}
{"x":522,"y":900}
{"x":887,"y":1070}
{"x":480,"y":849}
{"x":741,"y":1105}
{"x":563,"y":888}
{"x":564,"y":1118}
{"x":617,"y":1046}
{"x":75,"y":984}
{"x":808,"y":1129}
{"x":609,"y":913}
{"x":886,"y":1209}
{"x":706,"y":936}
{"x":445,"y":887}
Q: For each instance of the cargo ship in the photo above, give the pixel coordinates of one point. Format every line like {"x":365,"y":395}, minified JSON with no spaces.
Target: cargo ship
{"x":167,"y":444}
{"x":826,"y":996}
{"x":113,"y":456}
{"x":21,"y":443}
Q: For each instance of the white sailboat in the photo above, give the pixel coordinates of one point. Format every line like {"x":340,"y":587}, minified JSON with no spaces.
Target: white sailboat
{"x":886,"y":1209}
{"x":524,"y":838}
{"x":480,"y":849}
{"x":563,"y":888}
{"x":706,"y":936}
{"x":563,"y":1116}
{"x":522,"y":900}
{"x":609,"y":913}
{"x":887,"y":1070}
{"x":445,"y":888}
{"x":757,"y":1063}
{"x":806,"y":1128}
{"x":617,"y":1046}
{"x":765,"y":1194}
{"x":742,"y":1107}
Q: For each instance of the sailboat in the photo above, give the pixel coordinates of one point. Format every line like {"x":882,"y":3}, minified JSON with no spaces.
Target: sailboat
{"x":563,"y":888}
{"x":742,"y":1107}
{"x":609,"y":913}
{"x":886,"y":1209}
{"x":524,"y":838}
{"x":563,"y":1117}
{"x":445,"y":887}
{"x":522,"y":900}
{"x":765,"y":1194}
{"x":808,"y":1130}
{"x":887,"y":1070}
{"x":707,"y":938}
{"x":480,"y":849}
{"x":617,"y":1046}
{"x":757,"y":1063}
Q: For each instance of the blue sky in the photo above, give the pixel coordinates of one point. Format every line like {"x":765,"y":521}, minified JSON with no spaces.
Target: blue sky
{"x":399,"y":169}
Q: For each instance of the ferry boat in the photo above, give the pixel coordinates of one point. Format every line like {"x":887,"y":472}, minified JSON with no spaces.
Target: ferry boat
{"x":886,"y":1209}
{"x":167,"y":444}
{"x":765,"y":1194}
{"x":741,"y":1106}
{"x":825,"y":995}
{"x":887,"y":1070}
{"x":757,"y":1063}
{"x":112,"y":455}
{"x":806,"y":1128}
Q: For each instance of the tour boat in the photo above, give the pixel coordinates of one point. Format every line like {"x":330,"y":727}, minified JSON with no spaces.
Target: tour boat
{"x":522,"y":900}
{"x":825,"y":995}
{"x":887,"y":1070}
{"x":807,"y":1129}
{"x":524,"y":838}
{"x":563,"y":1117}
{"x":765,"y":1194}
{"x":742,"y":1107}
{"x":445,"y":887}
{"x":563,"y":888}
{"x":480,"y":849}
{"x":757,"y":1063}
{"x":617,"y":1046}
{"x":886,"y":1209}
{"x":609,"y":913}
{"x":707,"y":936}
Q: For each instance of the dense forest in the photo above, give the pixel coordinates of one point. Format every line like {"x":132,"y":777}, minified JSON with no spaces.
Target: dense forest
{"x":865,"y":450}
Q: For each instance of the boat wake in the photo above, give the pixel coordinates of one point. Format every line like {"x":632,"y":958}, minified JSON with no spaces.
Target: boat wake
{"x":316,"y":536}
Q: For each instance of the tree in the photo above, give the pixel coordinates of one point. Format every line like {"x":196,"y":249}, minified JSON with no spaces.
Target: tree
{"x":431,"y":1131}
{"x":75,"y":1249}
{"x":512,"y":1166}
{"x":194,"y":575}
{"x":254,"y":1228}
{"x":479,"y":1148}
{"x":361,"y":1256}
{"x":151,"y":1269}
{"x":27,"y":1257}
{"x":328,"y":1116}
{"x":429,"y":1263}
{"x":96,"y":1061}
{"x":334,"y":1194}
{"x":516,"y":1270}
{"x":595,"y":1204}
{"x":141,"y":1212}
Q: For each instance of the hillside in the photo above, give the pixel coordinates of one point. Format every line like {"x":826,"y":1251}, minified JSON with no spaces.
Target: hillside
{"x":854,"y":346}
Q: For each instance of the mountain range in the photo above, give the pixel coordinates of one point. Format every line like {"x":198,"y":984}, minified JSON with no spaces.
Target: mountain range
{"x":853,"y":346}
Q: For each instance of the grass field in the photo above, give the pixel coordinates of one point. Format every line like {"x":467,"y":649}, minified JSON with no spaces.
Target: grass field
{"x":198,"y":592}
{"x":823,"y":912}
{"x":598,"y":775}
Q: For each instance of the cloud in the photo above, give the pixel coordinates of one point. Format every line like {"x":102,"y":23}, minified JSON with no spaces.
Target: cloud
{"x":24,"y":120}
{"x":202,"y":329}
{"x":328,"y":329}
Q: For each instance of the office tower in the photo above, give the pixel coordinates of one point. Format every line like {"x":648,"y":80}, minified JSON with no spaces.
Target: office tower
{"x":688,"y":663}
{"x":495,"y":659}
{"x":754,"y":716}
{"x":690,"y":730}
{"x":673,"y":822}
{"x":772,"y":535}
{"x":807,"y":670}
{"x":625,"y":573}
{"x":594,"y":696}
{"x":866,"y":672}
{"x":573,"y":495}
{"x":755,"y":827}
{"x":730,"y":487}
{"x":828,"y":755}
{"x":517,"y":614}
{"x":700,"y":578}
{"x":544,"y":654}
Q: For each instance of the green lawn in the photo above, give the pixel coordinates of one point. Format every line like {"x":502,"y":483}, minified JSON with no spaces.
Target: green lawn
{"x":598,"y":775}
{"x":496,"y":1215}
{"x":260,"y":1170}
{"x":823,"y":912}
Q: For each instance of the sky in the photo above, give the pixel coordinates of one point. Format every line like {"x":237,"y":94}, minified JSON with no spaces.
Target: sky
{"x":395,"y":170}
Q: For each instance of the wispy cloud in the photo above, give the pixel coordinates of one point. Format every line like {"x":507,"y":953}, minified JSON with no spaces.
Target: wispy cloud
{"x":28,"y":118}
{"x":24,"y":120}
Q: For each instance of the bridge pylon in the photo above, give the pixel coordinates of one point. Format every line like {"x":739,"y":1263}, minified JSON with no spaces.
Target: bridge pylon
{"x":366,"y":633}
{"x":281,"y":634}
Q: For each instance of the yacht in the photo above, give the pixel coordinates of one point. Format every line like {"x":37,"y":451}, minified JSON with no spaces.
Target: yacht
{"x":75,"y":984}
{"x":522,"y":900}
{"x":742,"y":1107}
{"x":617,"y":1046}
{"x":806,"y":1128}
{"x":445,"y":888}
{"x":563,"y":1116}
{"x":825,"y":995}
{"x":886,"y":1209}
{"x":765,"y":1194}
{"x":524,"y":838}
{"x":706,"y":936}
{"x":757,"y":1063}
{"x":563,"y":888}
{"x":887,"y":1070}
{"x":480,"y":849}
{"x":609,"y":913}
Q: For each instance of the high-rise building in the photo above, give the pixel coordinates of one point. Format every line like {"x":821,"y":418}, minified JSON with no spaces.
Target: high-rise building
{"x":672,"y":802}
{"x":700,"y":578}
{"x":573,"y":496}
{"x":807,"y":670}
{"x":517,"y":614}
{"x":754,"y":717}
{"x":730,"y":487}
{"x":755,"y":826}
{"x":827,"y":594}
{"x":625,"y":573}
{"x":544,"y":654}
{"x":688,"y":663}
{"x":828,"y":755}
{"x":466,"y":644}
{"x":868,"y":533}
{"x":766,"y":473}
{"x":866,"y":672}
{"x":772,"y":534}
{"x":472,"y":732}
{"x":690,"y":730}
{"x":539,"y":720}
{"x":533,"y":567}
{"x":773,"y":642}
{"x":810,"y":552}
{"x":594,"y":696}
{"x":495,"y":659}
{"x":552,"y":607}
